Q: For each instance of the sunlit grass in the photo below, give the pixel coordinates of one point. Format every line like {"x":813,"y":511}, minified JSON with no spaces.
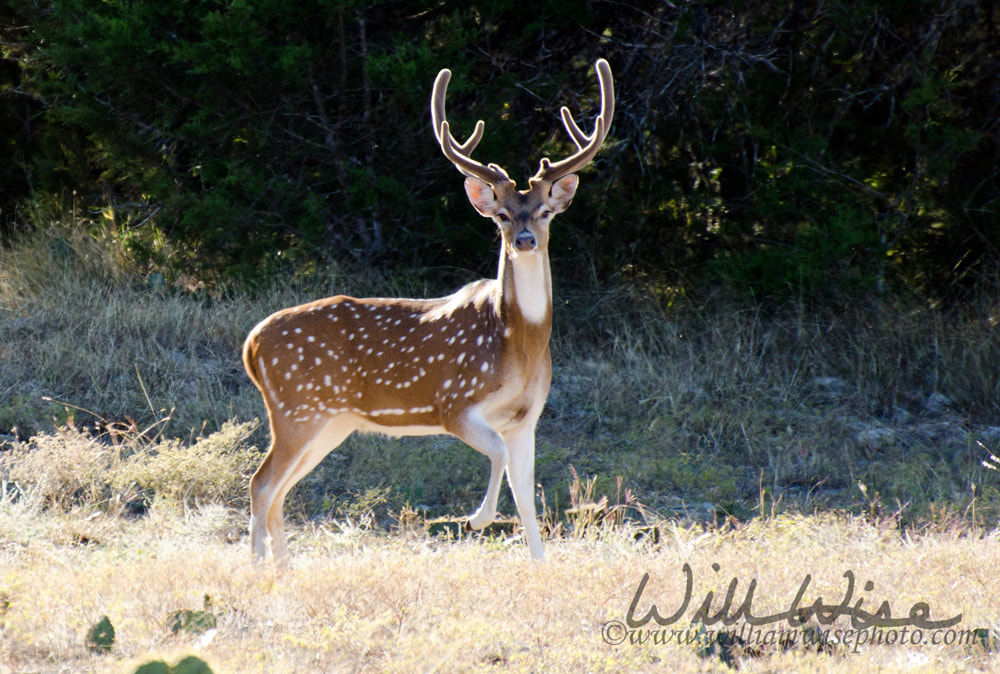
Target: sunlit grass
{"x":359,"y":599}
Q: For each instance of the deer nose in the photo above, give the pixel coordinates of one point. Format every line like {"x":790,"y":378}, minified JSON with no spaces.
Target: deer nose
{"x":525,"y":241}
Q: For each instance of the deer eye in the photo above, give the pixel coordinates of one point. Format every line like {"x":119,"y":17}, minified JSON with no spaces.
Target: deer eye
{"x":503,"y":217}
{"x":545,"y":215}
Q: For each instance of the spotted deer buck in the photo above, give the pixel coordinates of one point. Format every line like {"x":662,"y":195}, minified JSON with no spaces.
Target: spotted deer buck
{"x":475,"y":364}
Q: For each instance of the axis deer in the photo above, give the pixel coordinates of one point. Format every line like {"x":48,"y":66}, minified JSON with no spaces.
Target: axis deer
{"x":475,"y":364}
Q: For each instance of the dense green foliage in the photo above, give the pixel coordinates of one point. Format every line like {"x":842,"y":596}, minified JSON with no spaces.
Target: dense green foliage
{"x":809,"y":148}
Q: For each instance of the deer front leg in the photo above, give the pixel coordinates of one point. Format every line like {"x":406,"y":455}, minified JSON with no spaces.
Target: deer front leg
{"x":521,"y":476}
{"x":475,"y":431}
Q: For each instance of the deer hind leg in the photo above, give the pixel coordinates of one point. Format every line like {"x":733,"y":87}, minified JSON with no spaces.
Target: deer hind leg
{"x":521,"y":476}
{"x":292,"y":455}
{"x":475,"y":431}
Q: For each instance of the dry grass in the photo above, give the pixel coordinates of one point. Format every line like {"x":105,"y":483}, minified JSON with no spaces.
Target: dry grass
{"x":701,"y":409}
{"x":78,"y":330}
{"x":71,"y":468}
{"x":776,"y":444}
{"x":719,"y":404}
{"x":358,"y":600}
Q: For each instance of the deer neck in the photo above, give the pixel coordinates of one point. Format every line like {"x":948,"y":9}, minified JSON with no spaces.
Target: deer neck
{"x":526,"y":290}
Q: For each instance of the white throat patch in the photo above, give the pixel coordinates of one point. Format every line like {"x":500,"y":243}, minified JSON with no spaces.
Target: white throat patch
{"x":533,"y":296}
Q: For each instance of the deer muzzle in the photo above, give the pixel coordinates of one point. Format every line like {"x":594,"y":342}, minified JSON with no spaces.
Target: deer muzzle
{"x":525,"y":241}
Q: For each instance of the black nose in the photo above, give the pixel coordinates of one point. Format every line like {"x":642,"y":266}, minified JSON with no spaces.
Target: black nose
{"x":525,"y":241}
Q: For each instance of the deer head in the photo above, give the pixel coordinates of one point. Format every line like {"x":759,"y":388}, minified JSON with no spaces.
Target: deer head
{"x":550,"y":191}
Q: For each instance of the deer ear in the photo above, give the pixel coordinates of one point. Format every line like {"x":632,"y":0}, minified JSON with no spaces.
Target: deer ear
{"x":562,"y":192}
{"x":481,"y":197}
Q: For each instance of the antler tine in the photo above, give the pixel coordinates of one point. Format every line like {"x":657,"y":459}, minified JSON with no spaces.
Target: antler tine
{"x":587,"y":146}
{"x":578,"y":136}
{"x":459,"y":153}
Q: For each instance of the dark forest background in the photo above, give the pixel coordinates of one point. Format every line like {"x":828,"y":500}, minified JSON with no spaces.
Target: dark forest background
{"x":808,"y":149}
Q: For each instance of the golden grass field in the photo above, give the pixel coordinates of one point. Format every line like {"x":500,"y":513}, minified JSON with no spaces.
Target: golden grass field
{"x":775,"y":445}
{"x":354,"y":599}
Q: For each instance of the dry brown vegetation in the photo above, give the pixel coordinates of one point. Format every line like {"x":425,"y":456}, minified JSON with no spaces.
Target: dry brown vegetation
{"x":355,"y":599}
{"x":776,"y":442}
